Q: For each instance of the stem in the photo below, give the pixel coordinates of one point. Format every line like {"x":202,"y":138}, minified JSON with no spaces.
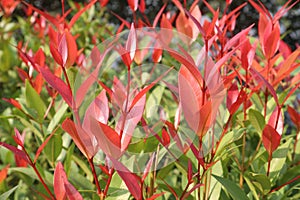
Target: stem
{"x":269,"y":164}
{"x":290,"y":181}
{"x":100,"y":193}
{"x":38,"y":174}
{"x":111,"y":173}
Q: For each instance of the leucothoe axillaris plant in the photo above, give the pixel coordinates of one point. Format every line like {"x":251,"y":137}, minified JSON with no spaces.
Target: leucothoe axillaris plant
{"x":182,"y":107}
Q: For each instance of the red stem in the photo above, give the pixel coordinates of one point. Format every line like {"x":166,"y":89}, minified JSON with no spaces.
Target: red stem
{"x":290,"y":181}
{"x":111,"y":173}
{"x":95,"y":176}
{"x":38,"y":174}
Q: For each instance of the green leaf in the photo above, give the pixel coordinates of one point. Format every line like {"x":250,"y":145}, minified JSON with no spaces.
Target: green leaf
{"x":257,"y":120}
{"x":235,"y":191}
{"x":53,"y":148}
{"x":57,"y":117}
{"x":261,"y":182}
{"x":251,"y":187}
{"x":34,"y":101}
{"x":5,"y":195}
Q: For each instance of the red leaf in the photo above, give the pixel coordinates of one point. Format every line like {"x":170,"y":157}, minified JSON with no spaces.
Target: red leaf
{"x":232,"y":95}
{"x":261,"y":79}
{"x":157,"y":53}
{"x":56,"y":54}
{"x":277,"y":125}
{"x":16,"y":151}
{"x":13,"y":102}
{"x":72,"y":49}
{"x":166,"y":35}
{"x":272,"y":42}
{"x":182,"y":25}
{"x":60,"y":178}
{"x":235,"y":106}
{"x":190,"y":170}
{"x":157,"y":17}
{"x":40,"y":149}
{"x":22,"y":74}
{"x":18,"y":138}
{"x":130,"y":179}
{"x":155,"y":196}
{"x":57,"y":84}
{"x":233,"y":41}
{"x":146,"y":89}
{"x":50,"y":18}
{"x":108,"y":139}
{"x":165,"y":138}
{"x":133,"y":4}
{"x":84,"y":140}
{"x":3,"y":173}
{"x":295,"y":116}
{"x":39,"y":57}
{"x":103,"y":2}
{"x":142,"y":6}
{"x":79,"y":13}
{"x":270,"y":138}
{"x":38,"y":83}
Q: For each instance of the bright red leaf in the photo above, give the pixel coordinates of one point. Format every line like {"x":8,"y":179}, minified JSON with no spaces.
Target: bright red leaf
{"x":270,"y":139}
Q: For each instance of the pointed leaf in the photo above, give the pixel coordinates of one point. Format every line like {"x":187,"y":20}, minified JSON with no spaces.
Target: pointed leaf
{"x":108,"y":139}
{"x":80,"y":12}
{"x":57,"y":84}
{"x":148,"y":167}
{"x":60,"y":178}
{"x":41,"y":148}
{"x":34,"y":101}
{"x":15,"y":150}
{"x":71,"y":192}
{"x":130,"y":179}
{"x":3,"y":173}
{"x":271,"y":139}
{"x":133,"y":4}
{"x":235,"y":192}
{"x":131,"y":42}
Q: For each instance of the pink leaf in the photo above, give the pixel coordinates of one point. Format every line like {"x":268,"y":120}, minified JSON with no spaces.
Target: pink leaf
{"x":57,"y":84}
{"x":130,"y":179}
{"x":157,"y":17}
{"x":71,"y":192}
{"x":270,"y":138}
{"x":98,"y":109}
{"x":127,"y":122}
{"x":60,"y":178}
{"x":148,"y":167}
{"x":131,"y":42}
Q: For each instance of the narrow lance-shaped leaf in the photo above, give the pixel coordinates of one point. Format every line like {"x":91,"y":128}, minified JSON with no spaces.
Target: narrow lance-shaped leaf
{"x":130,"y":179}
{"x":40,"y":149}
{"x":57,"y":84}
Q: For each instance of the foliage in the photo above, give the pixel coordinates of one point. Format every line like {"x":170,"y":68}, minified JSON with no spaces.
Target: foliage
{"x":178,"y":108}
